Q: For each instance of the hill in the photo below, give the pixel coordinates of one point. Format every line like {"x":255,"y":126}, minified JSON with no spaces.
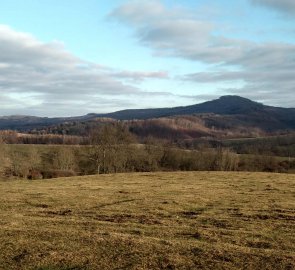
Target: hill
{"x":225,"y":105}
{"x":227,"y":112}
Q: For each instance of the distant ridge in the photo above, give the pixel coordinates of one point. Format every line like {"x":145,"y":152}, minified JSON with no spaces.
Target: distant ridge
{"x":239,"y":110}
{"x":225,"y":105}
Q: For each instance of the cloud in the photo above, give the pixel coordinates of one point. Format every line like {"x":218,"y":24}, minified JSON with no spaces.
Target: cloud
{"x":45,"y":79}
{"x":176,"y":32}
{"x":285,"y":6}
{"x":267,"y":72}
{"x":265,"y":67}
{"x":138,"y":76}
{"x":135,"y":12}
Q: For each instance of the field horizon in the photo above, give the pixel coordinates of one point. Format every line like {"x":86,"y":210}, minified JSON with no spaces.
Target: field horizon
{"x":163,"y":220}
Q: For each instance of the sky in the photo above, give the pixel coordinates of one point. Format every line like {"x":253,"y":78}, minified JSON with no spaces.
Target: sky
{"x":73,"y":57}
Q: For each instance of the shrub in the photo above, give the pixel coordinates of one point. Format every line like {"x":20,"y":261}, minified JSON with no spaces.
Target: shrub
{"x":57,"y":173}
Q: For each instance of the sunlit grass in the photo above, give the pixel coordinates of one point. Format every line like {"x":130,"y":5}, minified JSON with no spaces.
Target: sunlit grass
{"x":187,"y":220}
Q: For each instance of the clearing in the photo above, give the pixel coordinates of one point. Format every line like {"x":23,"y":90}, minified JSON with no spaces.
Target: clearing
{"x":177,"y":220}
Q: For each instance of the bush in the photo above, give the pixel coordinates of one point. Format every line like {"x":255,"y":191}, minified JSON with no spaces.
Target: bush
{"x":57,"y":173}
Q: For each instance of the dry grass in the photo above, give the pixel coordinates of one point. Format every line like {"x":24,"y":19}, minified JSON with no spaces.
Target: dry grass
{"x":189,"y":220}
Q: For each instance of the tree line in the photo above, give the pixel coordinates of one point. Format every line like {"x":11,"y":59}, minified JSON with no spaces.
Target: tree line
{"x":114,"y":149}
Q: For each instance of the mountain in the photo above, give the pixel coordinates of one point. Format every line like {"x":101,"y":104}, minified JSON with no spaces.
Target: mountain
{"x":26,"y":122}
{"x":234,"y":109}
{"x":225,"y":105}
{"x":226,"y":112}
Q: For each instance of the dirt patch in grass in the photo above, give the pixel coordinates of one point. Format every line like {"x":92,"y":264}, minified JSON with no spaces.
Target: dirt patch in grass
{"x":123,"y":218}
{"x":64,"y":212}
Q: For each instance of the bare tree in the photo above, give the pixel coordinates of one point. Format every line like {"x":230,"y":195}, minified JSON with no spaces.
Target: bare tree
{"x":5,"y":161}
{"x":108,"y":144}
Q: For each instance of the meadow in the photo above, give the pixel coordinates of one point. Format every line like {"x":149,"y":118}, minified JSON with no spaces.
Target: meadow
{"x":163,"y":220}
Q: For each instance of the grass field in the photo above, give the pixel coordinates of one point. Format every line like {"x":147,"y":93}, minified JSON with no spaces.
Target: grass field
{"x":187,"y":220}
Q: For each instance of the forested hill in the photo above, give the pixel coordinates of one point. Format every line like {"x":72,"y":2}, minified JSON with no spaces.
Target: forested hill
{"x":234,"y":110}
{"x":225,"y":105}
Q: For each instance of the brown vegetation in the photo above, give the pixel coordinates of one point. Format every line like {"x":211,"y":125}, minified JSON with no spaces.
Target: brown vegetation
{"x":188,"y":220}
{"x":113,"y":148}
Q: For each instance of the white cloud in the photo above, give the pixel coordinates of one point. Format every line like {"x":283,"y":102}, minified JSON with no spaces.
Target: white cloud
{"x":139,"y":76}
{"x":40,"y":77}
{"x":285,"y":6}
{"x":178,"y":33}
